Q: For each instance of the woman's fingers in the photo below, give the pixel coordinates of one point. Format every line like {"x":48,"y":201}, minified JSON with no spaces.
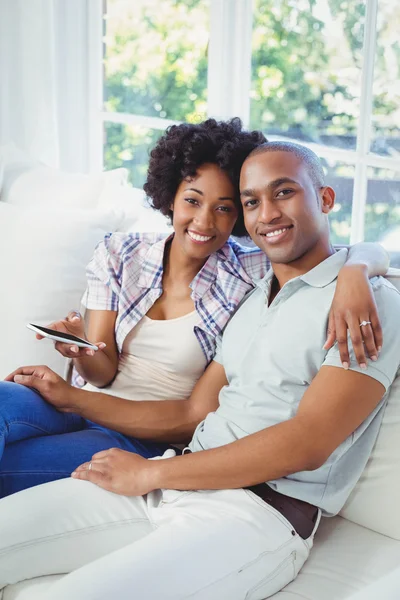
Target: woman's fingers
{"x":376,"y":328}
{"x":331,"y":332}
{"x":342,"y":341}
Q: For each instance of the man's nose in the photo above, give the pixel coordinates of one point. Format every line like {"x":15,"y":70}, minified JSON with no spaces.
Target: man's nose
{"x":269,"y":211}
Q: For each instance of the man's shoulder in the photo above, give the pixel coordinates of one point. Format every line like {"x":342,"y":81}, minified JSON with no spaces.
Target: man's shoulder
{"x":387,"y":298}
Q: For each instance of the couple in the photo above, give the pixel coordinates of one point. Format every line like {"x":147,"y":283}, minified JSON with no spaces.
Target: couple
{"x":272,"y":406}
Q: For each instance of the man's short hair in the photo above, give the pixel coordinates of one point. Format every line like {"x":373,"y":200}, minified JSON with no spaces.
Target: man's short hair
{"x":307,"y":156}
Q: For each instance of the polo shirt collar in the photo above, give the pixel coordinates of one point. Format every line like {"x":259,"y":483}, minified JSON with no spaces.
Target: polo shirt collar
{"x":327,"y":271}
{"x":320,"y":276}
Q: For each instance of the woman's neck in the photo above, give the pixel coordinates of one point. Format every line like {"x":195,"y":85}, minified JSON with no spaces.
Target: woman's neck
{"x":178,"y":266}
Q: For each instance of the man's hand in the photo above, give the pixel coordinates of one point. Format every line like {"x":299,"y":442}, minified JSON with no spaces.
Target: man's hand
{"x":50,"y":386}
{"x":120,"y":472}
{"x":352,"y":304}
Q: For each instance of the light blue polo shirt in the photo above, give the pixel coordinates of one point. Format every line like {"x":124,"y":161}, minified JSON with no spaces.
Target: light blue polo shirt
{"x":271,"y":355}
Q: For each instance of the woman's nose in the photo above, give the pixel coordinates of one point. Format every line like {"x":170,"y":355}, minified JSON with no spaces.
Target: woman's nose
{"x":204,"y":220}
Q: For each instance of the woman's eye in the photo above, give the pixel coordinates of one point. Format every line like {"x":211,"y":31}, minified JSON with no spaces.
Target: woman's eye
{"x":191,"y":201}
{"x":226,"y":209}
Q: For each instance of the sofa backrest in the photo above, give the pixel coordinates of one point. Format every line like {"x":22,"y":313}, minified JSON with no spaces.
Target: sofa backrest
{"x":375,"y":501}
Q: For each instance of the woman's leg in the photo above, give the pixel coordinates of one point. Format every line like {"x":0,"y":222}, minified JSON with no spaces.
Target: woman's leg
{"x":24,"y":414}
{"x":42,"y":459}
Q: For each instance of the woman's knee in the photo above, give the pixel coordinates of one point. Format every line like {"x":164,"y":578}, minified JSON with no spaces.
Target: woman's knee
{"x":14,"y":396}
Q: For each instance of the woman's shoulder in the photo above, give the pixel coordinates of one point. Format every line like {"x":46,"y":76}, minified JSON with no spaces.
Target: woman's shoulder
{"x":124,"y":246}
{"x":249,"y":257}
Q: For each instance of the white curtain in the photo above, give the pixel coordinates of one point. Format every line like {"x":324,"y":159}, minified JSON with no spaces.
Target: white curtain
{"x":43,"y":80}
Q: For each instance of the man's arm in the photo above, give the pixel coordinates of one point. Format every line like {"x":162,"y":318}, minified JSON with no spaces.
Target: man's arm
{"x":335,"y":404}
{"x":162,"y":421}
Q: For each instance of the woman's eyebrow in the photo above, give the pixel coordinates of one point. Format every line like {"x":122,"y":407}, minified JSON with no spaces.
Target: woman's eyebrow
{"x":202,"y":194}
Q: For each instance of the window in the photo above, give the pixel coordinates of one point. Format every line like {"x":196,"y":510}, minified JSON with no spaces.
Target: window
{"x":325,"y":73}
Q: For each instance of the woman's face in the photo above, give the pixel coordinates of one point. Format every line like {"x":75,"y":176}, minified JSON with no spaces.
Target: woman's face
{"x":204,"y":211}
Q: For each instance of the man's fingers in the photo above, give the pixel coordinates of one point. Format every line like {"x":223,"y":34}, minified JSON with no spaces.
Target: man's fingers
{"x":93,"y":476}
{"x":21,"y":371}
{"x":27,"y":380}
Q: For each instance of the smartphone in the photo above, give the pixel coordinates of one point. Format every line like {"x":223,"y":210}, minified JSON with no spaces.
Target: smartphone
{"x":58,"y":336}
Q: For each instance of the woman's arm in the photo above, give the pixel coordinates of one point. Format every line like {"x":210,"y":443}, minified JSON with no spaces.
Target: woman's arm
{"x":371,"y":255}
{"x":354,"y":304}
{"x":98,"y":368}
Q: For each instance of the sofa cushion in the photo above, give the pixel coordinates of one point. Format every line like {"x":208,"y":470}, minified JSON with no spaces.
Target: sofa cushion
{"x":30,"y":184}
{"x":375,"y":500}
{"x":43,"y":262}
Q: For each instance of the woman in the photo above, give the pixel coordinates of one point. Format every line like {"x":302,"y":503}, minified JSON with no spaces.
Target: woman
{"x":157,"y":304}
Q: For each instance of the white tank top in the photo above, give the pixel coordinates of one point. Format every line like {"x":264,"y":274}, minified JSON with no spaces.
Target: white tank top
{"x":160,"y":360}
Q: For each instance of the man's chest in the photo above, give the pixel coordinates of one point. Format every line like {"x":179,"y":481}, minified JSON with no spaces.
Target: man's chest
{"x":278,"y":344}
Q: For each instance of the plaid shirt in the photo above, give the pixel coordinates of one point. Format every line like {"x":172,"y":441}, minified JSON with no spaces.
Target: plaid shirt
{"x":125,"y":275}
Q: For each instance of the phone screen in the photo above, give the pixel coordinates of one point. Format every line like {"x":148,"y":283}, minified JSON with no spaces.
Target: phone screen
{"x":65,"y":336}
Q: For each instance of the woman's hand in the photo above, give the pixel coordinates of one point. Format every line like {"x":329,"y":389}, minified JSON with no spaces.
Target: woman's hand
{"x":353,"y":304}
{"x":53,"y":388}
{"x":74,"y":325}
{"x":120,"y":472}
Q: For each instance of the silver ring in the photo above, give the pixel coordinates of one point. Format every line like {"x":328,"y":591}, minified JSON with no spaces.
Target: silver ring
{"x":90,"y":466}
{"x":365,"y":323}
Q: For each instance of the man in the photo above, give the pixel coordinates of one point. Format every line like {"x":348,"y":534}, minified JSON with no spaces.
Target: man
{"x":273,"y":407}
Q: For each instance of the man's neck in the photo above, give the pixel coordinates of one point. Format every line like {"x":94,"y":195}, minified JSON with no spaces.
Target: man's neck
{"x":284,"y":272}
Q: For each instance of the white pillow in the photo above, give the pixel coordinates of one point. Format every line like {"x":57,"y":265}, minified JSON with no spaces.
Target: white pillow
{"x":375,"y":501}
{"x":30,"y":184}
{"x":139,"y":216}
{"x":43,"y":257}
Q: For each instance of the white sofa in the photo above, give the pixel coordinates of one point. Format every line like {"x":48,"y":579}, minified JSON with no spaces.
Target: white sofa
{"x":353,"y":551}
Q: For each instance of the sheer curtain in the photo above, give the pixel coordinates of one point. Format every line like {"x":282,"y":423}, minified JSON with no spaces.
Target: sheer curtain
{"x":43,"y":80}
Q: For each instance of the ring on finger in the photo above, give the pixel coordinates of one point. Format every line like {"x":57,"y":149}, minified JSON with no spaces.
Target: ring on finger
{"x":363,"y":323}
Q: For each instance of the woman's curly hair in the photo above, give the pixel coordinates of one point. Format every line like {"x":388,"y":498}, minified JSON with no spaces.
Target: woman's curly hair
{"x":184,"y":148}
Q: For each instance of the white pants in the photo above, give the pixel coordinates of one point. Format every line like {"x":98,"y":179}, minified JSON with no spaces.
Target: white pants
{"x":168,"y":545}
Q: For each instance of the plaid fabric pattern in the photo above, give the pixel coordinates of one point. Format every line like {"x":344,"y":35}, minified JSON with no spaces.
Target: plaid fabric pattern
{"x":125,"y":275}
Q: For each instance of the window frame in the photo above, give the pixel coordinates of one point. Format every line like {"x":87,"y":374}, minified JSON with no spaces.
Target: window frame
{"x":229,"y":83}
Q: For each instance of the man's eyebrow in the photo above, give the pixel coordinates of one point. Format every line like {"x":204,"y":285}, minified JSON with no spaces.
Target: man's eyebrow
{"x":201,"y":194}
{"x":271,"y":185}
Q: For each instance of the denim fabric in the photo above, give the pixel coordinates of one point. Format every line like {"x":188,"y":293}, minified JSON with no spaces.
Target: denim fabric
{"x":40,"y":444}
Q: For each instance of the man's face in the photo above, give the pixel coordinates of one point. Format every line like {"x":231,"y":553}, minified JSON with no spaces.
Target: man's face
{"x":284,"y":214}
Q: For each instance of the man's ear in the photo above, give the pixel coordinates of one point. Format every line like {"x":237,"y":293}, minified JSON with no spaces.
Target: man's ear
{"x":327,"y":199}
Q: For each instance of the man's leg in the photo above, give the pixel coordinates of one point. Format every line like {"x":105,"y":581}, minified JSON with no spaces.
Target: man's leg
{"x":24,"y":414}
{"x":60,"y":526}
{"x":205,"y":546}
{"x":42,"y":459}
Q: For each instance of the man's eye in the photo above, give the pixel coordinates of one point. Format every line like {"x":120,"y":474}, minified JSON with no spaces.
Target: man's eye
{"x":284,"y":192}
{"x":226,"y":209}
{"x":250,"y":203}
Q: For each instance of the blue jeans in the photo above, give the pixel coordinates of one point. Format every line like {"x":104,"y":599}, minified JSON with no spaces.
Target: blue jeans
{"x":40,"y":444}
